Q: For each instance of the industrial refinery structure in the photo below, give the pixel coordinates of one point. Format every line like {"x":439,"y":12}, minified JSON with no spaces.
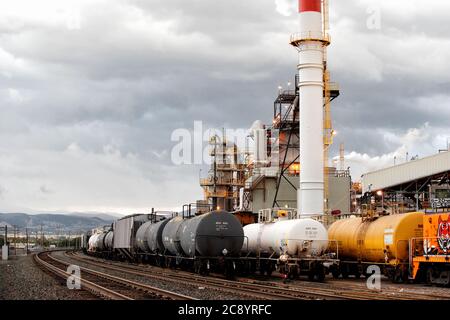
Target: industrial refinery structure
{"x":288,"y":166}
{"x":299,"y":215}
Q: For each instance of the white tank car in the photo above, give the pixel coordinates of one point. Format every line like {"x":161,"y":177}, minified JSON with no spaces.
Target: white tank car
{"x":93,"y":241}
{"x":296,"y":238}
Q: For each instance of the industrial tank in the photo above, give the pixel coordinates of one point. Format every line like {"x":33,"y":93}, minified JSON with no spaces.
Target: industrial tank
{"x":212,"y":234}
{"x":140,"y":237}
{"x":108,"y":241}
{"x":154,"y":236}
{"x":381,"y":240}
{"x":93,"y":241}
{"x":149,"y":236}
{"x":296,"y":237}
{"x":100,"y":243}
{"x":170,"y":236}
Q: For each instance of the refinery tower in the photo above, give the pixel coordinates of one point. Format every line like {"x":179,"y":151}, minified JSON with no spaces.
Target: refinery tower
{"x":311,"y":42}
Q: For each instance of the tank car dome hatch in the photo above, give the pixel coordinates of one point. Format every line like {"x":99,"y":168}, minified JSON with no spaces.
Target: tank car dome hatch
{"x":212,"y":234}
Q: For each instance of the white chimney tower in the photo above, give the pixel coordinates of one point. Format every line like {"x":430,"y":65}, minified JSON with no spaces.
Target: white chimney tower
{"x":311,"y":42}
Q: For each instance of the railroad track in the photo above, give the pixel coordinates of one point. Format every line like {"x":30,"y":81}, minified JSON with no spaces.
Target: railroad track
{"x":249,"y":290}
{"x":391,"y":291}
{"x":104,"y":285}
{"x":361,"y":291}
{"x":269,"y":290}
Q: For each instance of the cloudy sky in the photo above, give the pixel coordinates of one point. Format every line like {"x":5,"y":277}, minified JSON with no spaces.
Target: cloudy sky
{"x":91,"y":90}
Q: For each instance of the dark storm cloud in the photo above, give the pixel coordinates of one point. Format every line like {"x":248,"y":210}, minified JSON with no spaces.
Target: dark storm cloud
{"x":92,"y":90}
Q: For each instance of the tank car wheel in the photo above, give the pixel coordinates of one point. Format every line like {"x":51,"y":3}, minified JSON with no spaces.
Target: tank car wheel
{"x":230,"y":270}
{"x":429,"y":276}
{"x":168,"y":263}
{"x":321,"y":276}
{"x":262,"y":269}
{"x":398,"y":276}
{"x":293,"y":274}
{"x":335,"y":272}
{"x":344,"y":274}
{"x":198,"y":267}
{"x":269,"y":270}
{"x":320,"y":273}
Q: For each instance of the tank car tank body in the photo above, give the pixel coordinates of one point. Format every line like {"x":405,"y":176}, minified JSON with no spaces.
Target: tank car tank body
{"x":149,"y":241}
{"x":108,"y":241}
{"x":171,"y":237}
{"x":149,"y":236}
{"x":213,"y":238}
{"x":382,"y":241}
{"x":211,"y":234}
{"x":198,"y":243}
{"x":92,"y":242}
{"x":100,"y":243}
{"x":293,"y":246}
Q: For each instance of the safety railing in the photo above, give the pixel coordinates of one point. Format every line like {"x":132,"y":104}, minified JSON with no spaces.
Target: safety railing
{"x":220,"y":181}
{"x":297,"y":38}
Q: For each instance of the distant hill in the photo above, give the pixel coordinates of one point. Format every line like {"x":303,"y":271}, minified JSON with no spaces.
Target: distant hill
{"x":54,"y":222}
{"x":100,"y":215}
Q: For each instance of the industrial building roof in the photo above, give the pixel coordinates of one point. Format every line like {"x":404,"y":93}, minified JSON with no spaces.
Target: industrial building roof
{"x":406,"y":172}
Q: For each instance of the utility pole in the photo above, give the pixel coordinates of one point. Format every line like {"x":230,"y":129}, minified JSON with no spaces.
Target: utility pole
{"x":15,"y":240}
{"x":26,"y":234}
{"x":42,"y":237}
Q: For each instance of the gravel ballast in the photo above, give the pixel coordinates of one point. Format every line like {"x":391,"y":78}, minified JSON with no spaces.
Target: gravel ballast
{"x":22,"y":279}
{"x":199,"y":292}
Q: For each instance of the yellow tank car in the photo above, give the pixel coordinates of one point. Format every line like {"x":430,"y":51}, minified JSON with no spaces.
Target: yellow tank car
{"x":382,"y":241}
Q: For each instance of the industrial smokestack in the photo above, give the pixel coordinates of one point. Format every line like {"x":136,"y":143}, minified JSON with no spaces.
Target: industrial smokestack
{"x":310,"y":43}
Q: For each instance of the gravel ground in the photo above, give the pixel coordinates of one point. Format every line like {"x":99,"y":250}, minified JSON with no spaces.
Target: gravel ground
{"x":201,"y":293}
{"x":21,"y":279}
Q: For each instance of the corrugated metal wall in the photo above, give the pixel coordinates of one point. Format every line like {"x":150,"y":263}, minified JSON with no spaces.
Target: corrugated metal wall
{"x":122,"y":233}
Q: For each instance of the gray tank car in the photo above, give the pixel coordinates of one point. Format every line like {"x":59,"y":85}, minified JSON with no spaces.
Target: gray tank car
{"x":209,"y":241}
{"x":108,"y":241}
{"x":100,"y":242}
{"x":149,"y":237}
{"x":171,"y":236}
{"x":210,"y":235}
